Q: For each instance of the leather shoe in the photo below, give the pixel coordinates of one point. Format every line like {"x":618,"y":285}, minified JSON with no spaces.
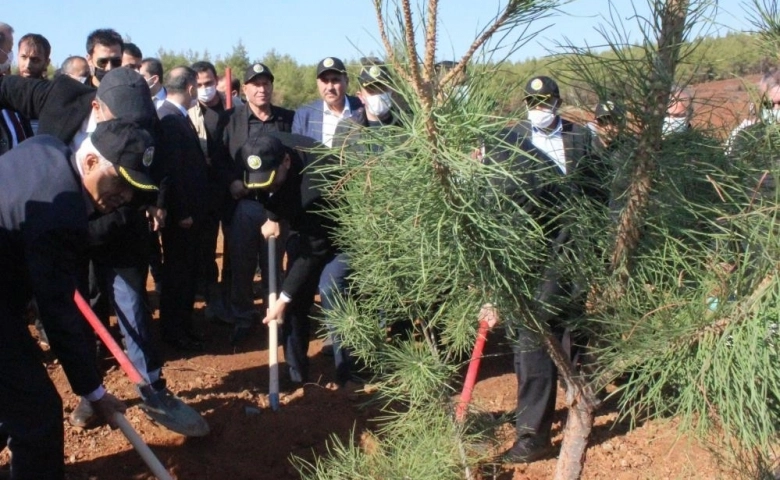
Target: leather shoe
{"x":185,"y":343}
{"x":83,"y":415}
{"x":525,"y":451}
{"x":239,"y":335}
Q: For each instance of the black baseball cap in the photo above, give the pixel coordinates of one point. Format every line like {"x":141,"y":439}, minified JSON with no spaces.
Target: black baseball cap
{"x":261,"y":157}
{"x":608,"y":109}
{"x":257,"y":69}
{"x":330,"y":64}
{"x":126,"y":94}
{"x":129,"y":147}
{"x":374,"y":74}
{"x":541,"y":88}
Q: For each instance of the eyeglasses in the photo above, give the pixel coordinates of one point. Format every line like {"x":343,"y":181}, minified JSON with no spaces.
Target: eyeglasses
{"x":114,"y":61}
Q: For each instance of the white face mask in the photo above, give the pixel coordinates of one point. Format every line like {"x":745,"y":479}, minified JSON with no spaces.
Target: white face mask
{"x":541,"y":118}
{"x":674,"y":125}
{"x":206,"y":94}
{"x":5,"y":67}
{"x":770,"y":116}
{"x":378,"y":104}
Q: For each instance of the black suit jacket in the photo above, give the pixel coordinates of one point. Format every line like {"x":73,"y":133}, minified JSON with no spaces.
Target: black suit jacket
{"x":43,"y":240}
{"x":60,"y":105}
{"x":184,"y":164}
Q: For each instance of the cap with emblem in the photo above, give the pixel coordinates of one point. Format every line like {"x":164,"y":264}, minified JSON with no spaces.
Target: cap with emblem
{"x":330,"y":64}
{"x":261,"y":157}
{"x":127,"y":96}
{"x":541,"y":88}
{"x":129,"y":147}
{"x":257,"y":69}
{"x":374,"y":74}
{"x":608,"y":109}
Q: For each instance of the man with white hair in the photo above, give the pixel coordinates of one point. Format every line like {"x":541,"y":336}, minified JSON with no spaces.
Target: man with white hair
{"x":46,"y":196}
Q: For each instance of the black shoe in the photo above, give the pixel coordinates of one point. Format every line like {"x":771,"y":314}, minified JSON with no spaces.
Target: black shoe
{"x":185,"y":344}
{"x":196,"y":336}
{"x":525,"y":451}
{"x":83,"y":416}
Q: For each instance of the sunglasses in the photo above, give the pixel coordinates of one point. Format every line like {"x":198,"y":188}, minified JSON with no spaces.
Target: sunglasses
{"x":103,"y":62}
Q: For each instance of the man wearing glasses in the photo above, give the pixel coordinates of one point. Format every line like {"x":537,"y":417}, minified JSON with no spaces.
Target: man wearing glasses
{"x":104,"y":52}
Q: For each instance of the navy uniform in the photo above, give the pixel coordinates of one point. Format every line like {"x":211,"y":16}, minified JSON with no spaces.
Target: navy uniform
{"x":299,"y":202}
{"x":566,"y":149}
{"x":245,"y":215}
{"x":43,"y":241}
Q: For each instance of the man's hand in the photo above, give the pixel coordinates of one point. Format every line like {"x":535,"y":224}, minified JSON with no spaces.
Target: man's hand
{"x":157,"y":216}
{"x":489,"y":314}
{"x":186,"y":223}
{"x":270,"y":229}
{"x":238,"y":190}
{"x":276,"y":312}
{"x":107,"y":406}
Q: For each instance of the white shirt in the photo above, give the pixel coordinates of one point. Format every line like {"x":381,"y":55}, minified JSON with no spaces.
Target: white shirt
{"x":86,"y":128}
{"x":159,"y":97}
{"x":331,"y":119}
{"x":552,"y":144}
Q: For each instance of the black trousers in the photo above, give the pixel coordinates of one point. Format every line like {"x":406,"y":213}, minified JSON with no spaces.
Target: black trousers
{"x":30,"y":407}
{"x":537,"y":375}
{"x":180,"y":273}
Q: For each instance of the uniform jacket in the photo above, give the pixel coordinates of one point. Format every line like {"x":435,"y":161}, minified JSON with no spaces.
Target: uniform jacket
{"x":43,"y":241}
{"x":184,"y":164}
{"x":308,"y":118}
{"x":300,"y":202}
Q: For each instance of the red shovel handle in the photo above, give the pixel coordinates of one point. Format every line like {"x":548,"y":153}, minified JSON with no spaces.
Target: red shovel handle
{"x":471,"y":375}
{"x":104,"y":335}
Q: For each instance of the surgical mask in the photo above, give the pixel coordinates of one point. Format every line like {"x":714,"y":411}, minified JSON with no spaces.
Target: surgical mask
{"x":9,"y":58}
{"x":541,"y":118}
{"x":151,"y":81}
{"x":674,"y":125}
{"x":770,"y":116}
{"x":378,"y":104}
{"x":206,"y":94}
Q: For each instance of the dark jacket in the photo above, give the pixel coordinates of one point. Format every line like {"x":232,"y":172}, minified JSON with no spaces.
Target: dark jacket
{"x":236,"y":134}
{"x":308,"y":118}
{"x":182,"y":159}
{"x":300,"y":202}
{"x":43,"y":241}
{"x":6,"y":137}
{"x":60,"y":105}
{"x":584,"y":169}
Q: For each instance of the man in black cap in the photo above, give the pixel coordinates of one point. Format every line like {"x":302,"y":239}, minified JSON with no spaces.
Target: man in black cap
{"x":376,"y":93}
{"x":319,"y":119}
{"x":244,"y":215}
{"x":566,"y":147}
{"x":46,"y":194}
{"x":275,"y":171}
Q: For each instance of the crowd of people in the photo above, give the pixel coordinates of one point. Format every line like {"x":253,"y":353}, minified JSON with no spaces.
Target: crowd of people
{"x":115,"y":169}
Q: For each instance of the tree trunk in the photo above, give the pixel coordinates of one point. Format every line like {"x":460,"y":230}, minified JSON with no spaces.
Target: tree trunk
{"x":575,"y":439}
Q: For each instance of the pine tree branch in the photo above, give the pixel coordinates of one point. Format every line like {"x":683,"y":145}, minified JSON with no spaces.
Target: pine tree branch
{"x":430,"y":42}
{"x":392,"y":59}
{"x":510,"y":10}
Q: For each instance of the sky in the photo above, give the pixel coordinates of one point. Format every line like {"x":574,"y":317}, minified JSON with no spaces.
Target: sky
{"x":309,"y":30}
